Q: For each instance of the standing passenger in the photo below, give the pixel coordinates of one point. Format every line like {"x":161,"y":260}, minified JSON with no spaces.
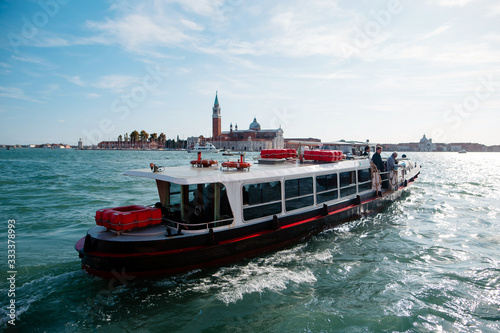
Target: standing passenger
{"x":377,"y":160}
{"x":392,"y":162}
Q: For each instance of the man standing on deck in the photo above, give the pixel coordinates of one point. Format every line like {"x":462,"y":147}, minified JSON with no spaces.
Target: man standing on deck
{"x":377,"y":160}
{"x":376,"y":176}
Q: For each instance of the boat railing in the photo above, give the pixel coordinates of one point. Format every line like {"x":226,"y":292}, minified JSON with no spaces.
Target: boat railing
{"x":197,"y":226}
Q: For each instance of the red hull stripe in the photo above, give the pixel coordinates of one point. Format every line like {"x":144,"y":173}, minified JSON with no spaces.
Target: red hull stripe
{"x":144,"y":254}
{"x":234,"y":240}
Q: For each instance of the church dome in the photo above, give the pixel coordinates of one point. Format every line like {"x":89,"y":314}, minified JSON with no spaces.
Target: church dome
{"x":255,"y":126}
{"x":424,"y":139}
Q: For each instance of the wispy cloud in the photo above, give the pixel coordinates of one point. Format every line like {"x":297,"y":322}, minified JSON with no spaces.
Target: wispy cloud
{"x":92,"y":95}
{"x":75,"y":79}
{"x":435,"y":32}
{"x":452,"y":3}
{"x":116,"y":83}
{"x":15,"y":93}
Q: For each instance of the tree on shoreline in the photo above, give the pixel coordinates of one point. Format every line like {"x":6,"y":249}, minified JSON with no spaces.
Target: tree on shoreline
{"x":153,"y":137}
{"x":134,"y":136}
{"x":162,"y":138}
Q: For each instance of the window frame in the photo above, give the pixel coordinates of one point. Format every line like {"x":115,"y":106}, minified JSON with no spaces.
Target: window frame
{"x":328,"y":190}
{"x":262,"y":204}
{"x":300,"y":196}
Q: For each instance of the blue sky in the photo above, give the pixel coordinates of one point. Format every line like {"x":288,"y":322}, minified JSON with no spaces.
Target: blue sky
{"x":388,"y":71}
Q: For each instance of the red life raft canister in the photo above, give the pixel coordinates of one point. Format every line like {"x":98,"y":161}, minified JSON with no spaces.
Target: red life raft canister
{"x":128,"y":217}
{"x":278,"y":153}
{"x":323,"y":155}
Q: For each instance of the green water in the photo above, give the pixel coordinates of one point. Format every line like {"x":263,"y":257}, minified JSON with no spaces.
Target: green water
{"x":428,"y":263}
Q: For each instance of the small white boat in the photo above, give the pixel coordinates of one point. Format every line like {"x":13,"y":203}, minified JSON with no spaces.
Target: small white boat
{"x":463,"y":151}
{"x":203,"y":147}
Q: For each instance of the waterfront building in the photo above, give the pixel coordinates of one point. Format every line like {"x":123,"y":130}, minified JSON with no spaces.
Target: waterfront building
{"x":252,"y":139}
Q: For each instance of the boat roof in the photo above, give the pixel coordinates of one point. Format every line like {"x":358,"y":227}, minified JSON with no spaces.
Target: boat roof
{"x":188,"y":175}
{"x":329,"y":143}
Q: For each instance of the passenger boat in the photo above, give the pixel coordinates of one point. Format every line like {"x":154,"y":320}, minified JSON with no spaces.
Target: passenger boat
{"x":210,"y":216}
{"x":206,"y":147}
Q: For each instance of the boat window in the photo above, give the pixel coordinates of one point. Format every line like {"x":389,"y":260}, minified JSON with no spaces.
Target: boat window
{"x":326,"y":182}
{"x":298,"y":193}
{"x":326,"y":188}
{"x":364,"y":180}
{"x":364,"y":175}
{"x":198,"y":203}
{"x":262,"y":199}
{"x":298,"y":187}
{"x":347,"y":183}
{"x":347,"y":178}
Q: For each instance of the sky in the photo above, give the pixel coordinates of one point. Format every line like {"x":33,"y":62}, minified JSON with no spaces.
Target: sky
{"x":388,"y":71}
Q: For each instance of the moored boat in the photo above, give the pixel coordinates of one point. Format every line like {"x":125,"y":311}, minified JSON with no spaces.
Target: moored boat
{"x":206,"y":147}
{"x":211,"y":216}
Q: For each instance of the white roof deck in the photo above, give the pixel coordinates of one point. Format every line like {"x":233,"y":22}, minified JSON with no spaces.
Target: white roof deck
{"x":188,"y":175}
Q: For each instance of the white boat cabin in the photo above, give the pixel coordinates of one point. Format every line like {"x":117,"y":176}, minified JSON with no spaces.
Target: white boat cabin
{"x":195,"y":199}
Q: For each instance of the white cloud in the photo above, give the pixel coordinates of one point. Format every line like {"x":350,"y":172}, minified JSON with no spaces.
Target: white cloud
{"x":116,"y":83}
{"x":435,"y":32}
{"x":75,"y":79}
{"x":201,"y":7}
{"x":135,"y":32}
{"x":191,"y":25}
{"x":494,"y":11}
{"x":49,"y":90}
{"x":453,"y":3}
{"x":92,"y":95}
{"x":15,"y":93}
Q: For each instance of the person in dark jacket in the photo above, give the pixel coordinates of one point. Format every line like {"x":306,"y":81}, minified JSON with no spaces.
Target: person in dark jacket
{"x":366,"y":152}
{"x":377,"y":160}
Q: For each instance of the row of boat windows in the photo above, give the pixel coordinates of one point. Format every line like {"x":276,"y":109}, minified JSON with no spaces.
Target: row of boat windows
{"x":209,"y":202}
{"x":264,"y":199}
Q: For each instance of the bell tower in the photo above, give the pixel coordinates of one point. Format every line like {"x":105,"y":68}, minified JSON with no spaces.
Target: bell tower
{"x":216,"y":119}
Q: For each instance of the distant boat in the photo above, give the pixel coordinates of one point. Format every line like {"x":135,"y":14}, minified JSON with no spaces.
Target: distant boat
{"x":463,"y":151}
{"x":205,"y":147}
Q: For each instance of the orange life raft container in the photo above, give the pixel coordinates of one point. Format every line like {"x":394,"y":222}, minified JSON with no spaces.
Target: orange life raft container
{"x":128,"y":217}
{"x":323,"y":155}
{"x":278,"y":153}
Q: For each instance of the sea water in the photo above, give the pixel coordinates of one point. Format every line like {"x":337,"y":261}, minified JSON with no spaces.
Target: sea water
{"x":430,"y":262}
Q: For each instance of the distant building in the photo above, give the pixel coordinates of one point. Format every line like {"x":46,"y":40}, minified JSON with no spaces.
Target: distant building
{"x":426,"y":144}
{"x":252,"y":139}
{"x":80,"y":144}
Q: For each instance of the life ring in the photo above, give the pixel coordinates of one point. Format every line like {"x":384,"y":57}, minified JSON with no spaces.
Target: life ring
{"x":203,"y":163}
{"x":236,"y":165}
